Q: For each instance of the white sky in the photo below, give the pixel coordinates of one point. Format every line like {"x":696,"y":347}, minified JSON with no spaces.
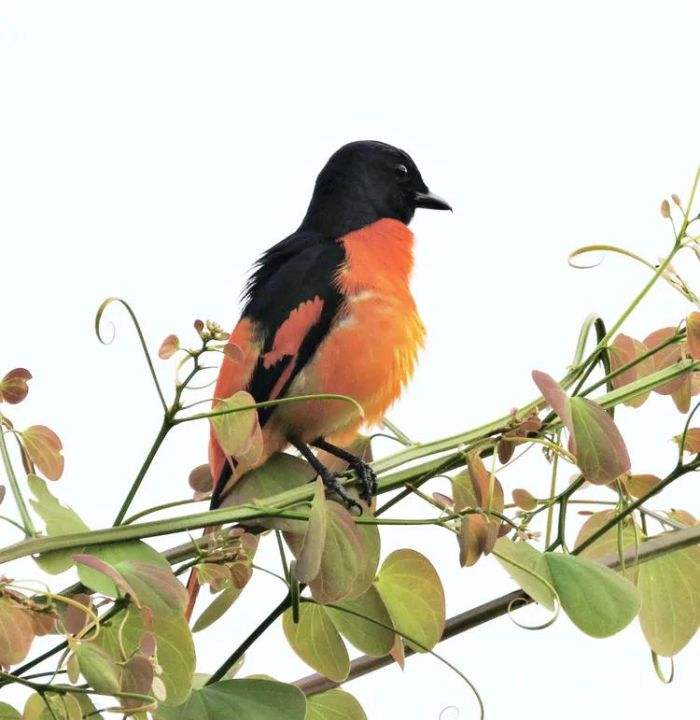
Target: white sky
{"x":152,"y":150}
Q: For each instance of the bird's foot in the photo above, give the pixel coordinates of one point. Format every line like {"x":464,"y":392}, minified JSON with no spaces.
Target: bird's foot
{"x":367,"y":478}
{"x":331,"y":480}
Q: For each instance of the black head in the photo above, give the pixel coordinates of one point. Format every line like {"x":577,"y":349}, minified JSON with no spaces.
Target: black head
{"x":363,"y":182}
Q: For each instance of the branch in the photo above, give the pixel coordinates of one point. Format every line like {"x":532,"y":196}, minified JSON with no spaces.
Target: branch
{"x":661,"y":545}
{"x":276,"y":505}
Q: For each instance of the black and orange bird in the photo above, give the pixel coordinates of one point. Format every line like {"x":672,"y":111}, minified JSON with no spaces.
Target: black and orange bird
{"x":329,"y":310}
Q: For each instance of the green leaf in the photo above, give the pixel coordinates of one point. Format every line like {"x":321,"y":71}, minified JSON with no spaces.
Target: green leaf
{"x":279,"y":473}
{"x":240,"y":699}
{"x":316,"y":641}
{"x":598,"y":601}
{"x":234,"y":430}
{"x":368,"y":637}
{"x":16,"y":631}
{"x":669,"y":586}
{"x":8,"y":713}
{"x":344,"y":561}
{"x":98,"y":667}
{"x":113,"y":554}
{"x":63,"y":707}
{"x":308,"y":562}
{"x":218,"y":606}
{"x":601,"y":453}
{"x":528,"y":567}
{"x":175,"y":652}
{"x":607,"y":544}
{"x":412,"y":592}
{"x":60,"y":520}
{"x":334,"y":705}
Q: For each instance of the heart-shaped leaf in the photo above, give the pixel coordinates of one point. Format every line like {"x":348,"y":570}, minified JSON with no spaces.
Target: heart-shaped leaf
{"x":412,"y":592}
{"x":317,"y":642}
{"x":528,"y":567}
{"x":309,"y":558}
{"x":601,"y":453}
{"x":234,"y":427}
{"x":253,"y":699}
{"x":13,"y":387}
{"x":334,"y":705}
{"x":43,"y":447}
{"x":599,"y":601}
{"x":669,"y":586}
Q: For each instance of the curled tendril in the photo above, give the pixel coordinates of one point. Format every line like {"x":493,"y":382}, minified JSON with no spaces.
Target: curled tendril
{"x":98,"y":322}
{"x":517,"y":603}
{"x":451,"y":712}
{"x":413,"y":641}
{"x":603,"y":249}
{"x":666,"y":679}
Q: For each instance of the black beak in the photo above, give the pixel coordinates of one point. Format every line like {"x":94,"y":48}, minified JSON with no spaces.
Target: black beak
{"x":431,"y":201}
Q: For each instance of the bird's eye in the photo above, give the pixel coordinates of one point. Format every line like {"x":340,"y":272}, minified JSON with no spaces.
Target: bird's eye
{"x":401,"y":172}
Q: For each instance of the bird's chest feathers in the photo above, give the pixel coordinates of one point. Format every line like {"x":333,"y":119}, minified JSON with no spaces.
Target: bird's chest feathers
{"x":371,"y":352}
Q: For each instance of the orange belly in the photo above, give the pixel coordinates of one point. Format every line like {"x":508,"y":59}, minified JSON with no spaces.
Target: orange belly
{"x":370,"y":353}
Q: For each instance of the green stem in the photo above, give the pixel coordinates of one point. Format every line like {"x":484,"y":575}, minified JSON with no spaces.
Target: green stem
{"x":235,"y":656}
{"x":677,"y":472}
{"x":164,"y":430}
{"x":28,"y":526}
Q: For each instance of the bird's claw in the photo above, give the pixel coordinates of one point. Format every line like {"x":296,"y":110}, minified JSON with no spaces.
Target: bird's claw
{"x":367,"y":479}
{"x":332,"y":484}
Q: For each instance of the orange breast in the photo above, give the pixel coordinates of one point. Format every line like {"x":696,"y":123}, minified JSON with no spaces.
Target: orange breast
{"x":370,"y":353}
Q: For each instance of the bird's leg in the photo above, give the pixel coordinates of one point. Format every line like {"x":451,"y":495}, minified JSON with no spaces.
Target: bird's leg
{"x":330,"y":478}
{"x":365,"y":473}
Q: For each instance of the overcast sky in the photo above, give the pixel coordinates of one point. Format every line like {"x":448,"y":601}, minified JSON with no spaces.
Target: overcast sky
{"x":152,"y":150}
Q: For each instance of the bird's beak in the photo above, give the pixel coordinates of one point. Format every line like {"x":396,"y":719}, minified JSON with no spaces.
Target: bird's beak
{"x":431,"y":201}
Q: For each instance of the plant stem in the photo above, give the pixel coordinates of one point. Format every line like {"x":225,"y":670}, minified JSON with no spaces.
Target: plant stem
{"x":164,"y":429}
{"x":240,"y":650}
{"x":28,"y":525}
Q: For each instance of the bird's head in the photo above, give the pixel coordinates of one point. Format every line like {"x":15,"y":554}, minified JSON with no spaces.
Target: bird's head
{"x":366,"y":181}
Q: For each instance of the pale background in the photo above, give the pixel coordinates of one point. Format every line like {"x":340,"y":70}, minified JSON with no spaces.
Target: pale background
{"x":152,"y":150}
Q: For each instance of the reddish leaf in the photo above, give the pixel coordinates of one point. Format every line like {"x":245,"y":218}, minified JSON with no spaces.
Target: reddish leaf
{"x":681,"y":396}
{"x":692,"y":440}
{"x":43,"y":447}
{"x":74,"y":619}
{"x":169,"y":347}
{"x":16,"y":631}
{"x":666,"y":357}
{"x":601,"y":452}
{"x":523,"y":499}
{"x":472,"y":539}
{"x":200,"y":479}
{"x":136,"y":677}
{"x":640,"y":485}
{"x":692,"y":324}
{"x":623,"y":350}
{"x":398,"y":652}
{"x":505,"y":448}
{"x":555,"y":396}
{"x":106,"y":569}
{"x":13,"y":387}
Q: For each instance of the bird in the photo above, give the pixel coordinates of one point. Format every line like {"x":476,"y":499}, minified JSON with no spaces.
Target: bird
{"x":329,"y":310}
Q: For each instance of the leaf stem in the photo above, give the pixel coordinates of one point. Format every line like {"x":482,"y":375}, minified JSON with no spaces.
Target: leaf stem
{"x":28,"y":526}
